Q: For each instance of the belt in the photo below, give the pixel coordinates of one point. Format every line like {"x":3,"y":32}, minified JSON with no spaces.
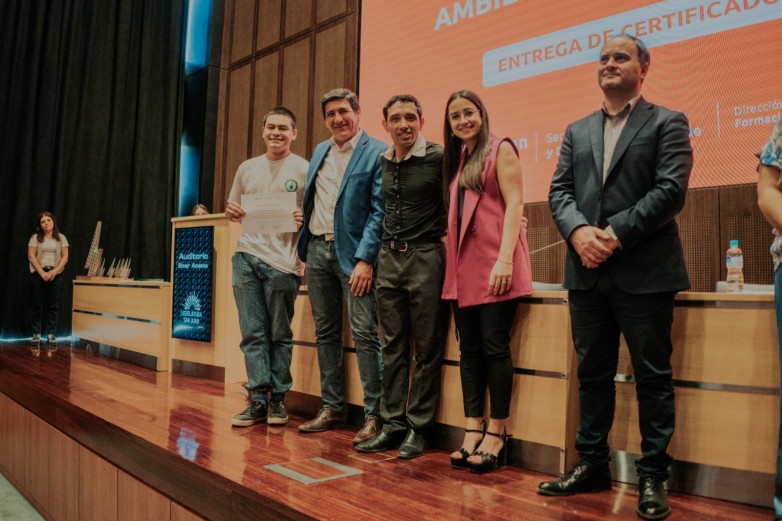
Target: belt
{"x":327,"y":237}
{"x":406,"y":245}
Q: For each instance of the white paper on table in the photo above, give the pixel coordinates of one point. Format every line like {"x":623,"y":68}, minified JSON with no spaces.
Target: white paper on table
{"x":268,"y":213}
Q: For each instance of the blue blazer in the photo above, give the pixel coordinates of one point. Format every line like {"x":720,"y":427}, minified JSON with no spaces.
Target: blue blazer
{"x":358,"y":215}
{"x":644,"y":191}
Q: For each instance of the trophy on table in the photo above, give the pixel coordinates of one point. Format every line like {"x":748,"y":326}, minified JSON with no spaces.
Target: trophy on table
{"x":96,"y":264}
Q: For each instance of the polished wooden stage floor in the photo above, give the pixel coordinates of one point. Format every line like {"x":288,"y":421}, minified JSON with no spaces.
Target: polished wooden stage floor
{"x":173,"y":433}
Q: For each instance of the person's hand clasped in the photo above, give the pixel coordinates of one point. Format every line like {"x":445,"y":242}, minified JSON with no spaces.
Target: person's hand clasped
{"x":361,"y":279}
{"x":501,"y":277}
{"x":298,"y":218}
{"x":593,"y":245}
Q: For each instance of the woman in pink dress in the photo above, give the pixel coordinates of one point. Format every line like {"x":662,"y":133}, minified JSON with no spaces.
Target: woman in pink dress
{"x":487,"y":269}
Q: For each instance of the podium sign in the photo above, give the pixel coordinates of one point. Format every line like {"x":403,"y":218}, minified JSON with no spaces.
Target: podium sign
{"x":192,"y":297}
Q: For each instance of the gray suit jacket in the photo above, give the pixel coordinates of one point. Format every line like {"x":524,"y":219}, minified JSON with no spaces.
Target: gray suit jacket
{"x":644,"y":191}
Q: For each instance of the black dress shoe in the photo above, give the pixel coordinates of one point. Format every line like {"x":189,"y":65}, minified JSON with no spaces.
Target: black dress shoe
{"x":413,"y":446}
{"x":582,"y":477}
{"x":652,"y":501}
{"x":380,"y":443}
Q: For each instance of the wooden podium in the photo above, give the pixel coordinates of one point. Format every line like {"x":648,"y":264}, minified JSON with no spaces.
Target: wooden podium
{"x":221,"y":359}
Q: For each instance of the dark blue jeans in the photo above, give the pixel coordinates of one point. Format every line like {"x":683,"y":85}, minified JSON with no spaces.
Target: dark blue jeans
{"x":328,"y":286}
{"x":598,"y":316}
{"x":264,"y":299}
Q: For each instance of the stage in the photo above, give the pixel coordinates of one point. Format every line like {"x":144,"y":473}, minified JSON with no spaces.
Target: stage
{"x":87,"y":437}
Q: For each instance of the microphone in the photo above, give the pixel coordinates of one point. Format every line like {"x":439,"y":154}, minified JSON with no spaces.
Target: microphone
{"x":547,"y":247}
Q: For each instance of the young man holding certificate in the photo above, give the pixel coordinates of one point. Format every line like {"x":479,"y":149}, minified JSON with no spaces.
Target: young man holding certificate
{"x":266,"y":268}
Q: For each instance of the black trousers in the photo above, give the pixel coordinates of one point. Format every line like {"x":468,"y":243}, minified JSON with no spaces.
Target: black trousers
{"x":45,"y":303}
{"x":598,"y":316}
{"x":484,"y":345}
{"x":409,"y":307}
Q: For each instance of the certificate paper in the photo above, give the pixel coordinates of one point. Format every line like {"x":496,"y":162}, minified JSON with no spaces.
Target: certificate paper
{"x":268,"y":213}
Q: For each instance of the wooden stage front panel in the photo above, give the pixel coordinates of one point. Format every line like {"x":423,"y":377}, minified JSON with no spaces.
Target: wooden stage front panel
{"x":85,"y":437}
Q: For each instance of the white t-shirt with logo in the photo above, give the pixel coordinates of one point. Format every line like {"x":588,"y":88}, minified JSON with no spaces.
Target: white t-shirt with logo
{"x":259,"y":175}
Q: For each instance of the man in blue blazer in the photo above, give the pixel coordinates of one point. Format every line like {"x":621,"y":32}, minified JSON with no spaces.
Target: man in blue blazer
{"x":340,"y":242}
{"x":620,"y":182}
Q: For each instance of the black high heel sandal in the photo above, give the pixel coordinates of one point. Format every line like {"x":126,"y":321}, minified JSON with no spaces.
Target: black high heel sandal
{"x":489,"y":462}
{"x":461,"y":463}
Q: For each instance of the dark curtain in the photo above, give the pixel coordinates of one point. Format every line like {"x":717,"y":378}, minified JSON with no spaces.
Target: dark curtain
{"x":90,"y":111}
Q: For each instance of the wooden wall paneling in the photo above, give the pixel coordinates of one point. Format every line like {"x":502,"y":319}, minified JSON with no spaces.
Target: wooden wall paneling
{"x":269,"y":26}
{"x":63,"y":479}
{"x":354,"y":392}
{"x":26,"y":420}
{"x":699,"y":232}
{"x":221,"y":58}
{"x":242,"y":29}
{"x":296,"y":87}
{"x":548,"y":262}
{"x":37,"y":461}
{"x":538,"y":410}
{"x":329,"y":73}
{"x":137,"y":302}
{"x":741,"y":219}
{"x":450,"y":410}
{"x":538,"y":340}
{"x":451,"y":343}
{"x":704,"y":346}
{"x":139,"y":337}
{"x":15,"y":435}
{"x":303,"y":324}
{"x":238,"y":131}
{"x":4,"y":434}
{"x":305,"y":371}
{"x":97,"y":487}
{"x":298,"y":16}
{"x":221,"y":178}
{"x":136,"y":501}
{"x":180,"y":513}
{"x":722,"y":428}
{"x":266,"y":84}
{"x":327,"y":9}
{"x":350,"y":56}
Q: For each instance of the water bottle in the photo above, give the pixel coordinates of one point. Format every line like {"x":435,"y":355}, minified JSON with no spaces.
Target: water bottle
{"x":734,"y":261}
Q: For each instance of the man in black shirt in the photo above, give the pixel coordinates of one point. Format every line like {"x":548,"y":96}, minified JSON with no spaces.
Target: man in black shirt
{"x":410,"y":275}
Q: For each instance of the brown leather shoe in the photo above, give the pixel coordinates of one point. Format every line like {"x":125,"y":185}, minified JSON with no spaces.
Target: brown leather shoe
{"x":369,"y":430}
{"x":325,"y":419}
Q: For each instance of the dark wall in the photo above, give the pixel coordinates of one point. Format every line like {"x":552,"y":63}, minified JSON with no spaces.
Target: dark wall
{"x":90,"y":104}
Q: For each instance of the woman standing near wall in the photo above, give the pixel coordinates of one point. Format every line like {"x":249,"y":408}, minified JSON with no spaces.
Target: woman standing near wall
{"x":487,"y":269}
{"x":47,"y":252}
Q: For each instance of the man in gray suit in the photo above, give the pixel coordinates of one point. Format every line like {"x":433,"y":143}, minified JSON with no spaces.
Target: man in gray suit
{"x":620,"y":182}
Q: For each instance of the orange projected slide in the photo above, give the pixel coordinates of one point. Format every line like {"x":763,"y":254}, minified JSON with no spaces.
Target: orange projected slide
{"x":535,"y":66}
